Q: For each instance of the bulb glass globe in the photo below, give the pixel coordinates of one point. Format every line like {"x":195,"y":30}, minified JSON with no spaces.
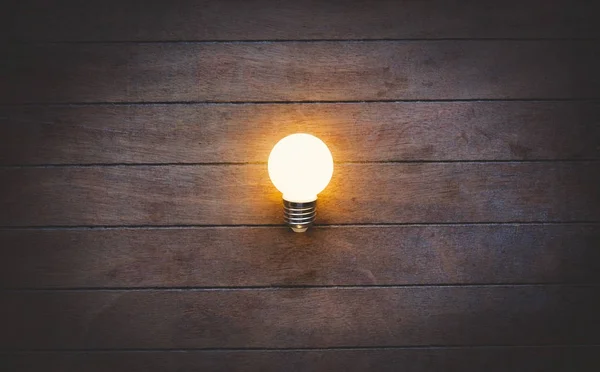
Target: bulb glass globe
{"x":300,"y":166}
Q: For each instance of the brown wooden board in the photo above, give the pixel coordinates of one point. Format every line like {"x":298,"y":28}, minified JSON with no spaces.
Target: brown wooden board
{"x":139,"y":230}
{"x":491,"y":359}
{"x":304,"y":317}
{"x":300,"y":71}
{"x":274,"y":256}
{"x":246,"y":133}
{"x":243,"y":194}
{"x":301,"y":19}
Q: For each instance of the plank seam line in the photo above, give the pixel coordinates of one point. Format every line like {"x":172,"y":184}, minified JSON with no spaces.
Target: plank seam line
{"x":300,"y":349}
{"x":293,"y":287}
{"x":282,"y":226}
{"x":304,"y":41}
{"x":293,"y":102}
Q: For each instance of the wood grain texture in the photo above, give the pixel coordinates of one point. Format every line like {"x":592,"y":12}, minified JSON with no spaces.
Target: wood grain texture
{"x":497,"y":359}
{"x":133,"y":140}
{"x":215,"y":257}
{"x":243,"y":194}
{"x":200,"y":133}
{"x":305,"y":19}
{"x":300,"y":71}
{"x":289,"y":318}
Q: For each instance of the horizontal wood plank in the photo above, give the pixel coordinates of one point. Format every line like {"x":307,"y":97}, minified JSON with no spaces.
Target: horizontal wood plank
{"x":300,"y":71}
{"x":497,"y":359}
{"x":214,"y":257}
{"x":246,"y":133}
{"x":477,"y":281}
{"x":243,"y":194}
{"x":301,"y":19}
{"x":282,"y":318}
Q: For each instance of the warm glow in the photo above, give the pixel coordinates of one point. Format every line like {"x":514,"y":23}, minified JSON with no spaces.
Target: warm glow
{"x":300,"y":166}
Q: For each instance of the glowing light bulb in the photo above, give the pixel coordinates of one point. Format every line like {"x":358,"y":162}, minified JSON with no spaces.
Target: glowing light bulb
{"x":300,"y":166}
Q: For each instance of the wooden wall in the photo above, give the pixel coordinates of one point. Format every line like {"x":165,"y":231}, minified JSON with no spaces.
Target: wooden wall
{"x":140,"y":232}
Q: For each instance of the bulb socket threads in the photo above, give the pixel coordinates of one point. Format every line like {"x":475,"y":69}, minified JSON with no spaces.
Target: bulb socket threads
{"x":299,"y":216}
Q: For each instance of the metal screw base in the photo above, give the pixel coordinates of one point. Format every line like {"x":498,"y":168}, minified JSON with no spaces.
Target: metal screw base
{"x":299,"y":216}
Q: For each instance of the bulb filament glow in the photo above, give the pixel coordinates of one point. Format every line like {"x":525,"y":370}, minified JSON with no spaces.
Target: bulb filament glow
{"x":300,"y":166}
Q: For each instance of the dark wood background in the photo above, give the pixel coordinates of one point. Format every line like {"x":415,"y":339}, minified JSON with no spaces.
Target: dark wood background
{"x":139,"y":230}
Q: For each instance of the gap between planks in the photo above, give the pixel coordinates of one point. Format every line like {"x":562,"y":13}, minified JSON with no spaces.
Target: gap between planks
{"x":277,"y":41}
{"x":356,"y":348}
{"x":193,"y":164}
{"x":290,"y":287}
{"x":282,"y":226}
{"x":292,"y":102}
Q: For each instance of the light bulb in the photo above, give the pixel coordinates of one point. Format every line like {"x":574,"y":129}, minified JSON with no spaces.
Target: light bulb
{"x":300,"y":166}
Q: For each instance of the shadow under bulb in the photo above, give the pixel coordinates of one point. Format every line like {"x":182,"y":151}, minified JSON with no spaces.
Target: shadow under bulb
{"x":300,"y":166}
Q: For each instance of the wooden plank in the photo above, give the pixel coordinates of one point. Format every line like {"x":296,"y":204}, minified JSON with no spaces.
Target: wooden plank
{"x":497,"y":359}
{"x":300,"y":71}
{"x":201,"y":133}
{"x":291,"y":318}
{"x":215,"y":257}
{"x":243,"y":194}
{"x":300,"y":19}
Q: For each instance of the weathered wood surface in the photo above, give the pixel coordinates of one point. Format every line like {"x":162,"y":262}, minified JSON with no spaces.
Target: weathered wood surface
{"x":306,"y":317}
{"x":495,"y":359}
{"x":113,"y":82}
{"x":273,"y":256}
{"x":300,"y":71}
{"x":243,"y":194}
{"x":246,"y":133}
{"x":111,"y":20}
